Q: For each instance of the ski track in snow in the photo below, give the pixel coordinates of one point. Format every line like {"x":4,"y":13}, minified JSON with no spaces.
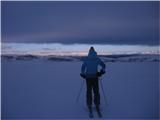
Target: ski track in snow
{"x":48,"y":90}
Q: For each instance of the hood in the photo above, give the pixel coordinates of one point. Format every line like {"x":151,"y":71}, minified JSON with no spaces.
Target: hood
{"x":92,"y":53}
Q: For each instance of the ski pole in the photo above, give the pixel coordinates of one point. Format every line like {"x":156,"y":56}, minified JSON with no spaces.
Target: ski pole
{"x":80,"y":90}
{"x":105,"y":98}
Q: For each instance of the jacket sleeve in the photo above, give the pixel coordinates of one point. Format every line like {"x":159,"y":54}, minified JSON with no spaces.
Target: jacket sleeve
{"x":83,"y":68}
{"x":101,"y":63}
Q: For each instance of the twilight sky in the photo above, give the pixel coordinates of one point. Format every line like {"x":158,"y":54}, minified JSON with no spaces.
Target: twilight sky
{"x":131,"y":23}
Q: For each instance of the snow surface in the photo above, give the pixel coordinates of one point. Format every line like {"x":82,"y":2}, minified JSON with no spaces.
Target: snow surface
{"x":44,"y":89}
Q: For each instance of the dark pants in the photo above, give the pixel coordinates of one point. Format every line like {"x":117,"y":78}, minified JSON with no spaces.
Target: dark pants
{"x":92,"y":84}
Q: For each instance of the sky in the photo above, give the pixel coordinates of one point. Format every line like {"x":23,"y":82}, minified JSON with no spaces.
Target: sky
{"x":113,"y":23}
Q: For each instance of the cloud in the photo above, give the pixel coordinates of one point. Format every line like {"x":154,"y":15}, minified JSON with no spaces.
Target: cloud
{"x":81,"y":22}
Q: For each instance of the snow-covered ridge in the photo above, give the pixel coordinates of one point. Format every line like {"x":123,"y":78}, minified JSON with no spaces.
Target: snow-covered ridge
{"x":105,"y":58}
{"x":74,"y":49}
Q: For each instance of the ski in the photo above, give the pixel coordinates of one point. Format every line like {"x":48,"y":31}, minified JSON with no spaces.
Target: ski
{"x":98,"y":112}
{"x":91,"y":115}
{"x":90,"y":112}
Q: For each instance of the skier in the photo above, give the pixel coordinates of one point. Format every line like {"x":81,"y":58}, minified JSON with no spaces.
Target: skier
{"x":89,"y":71}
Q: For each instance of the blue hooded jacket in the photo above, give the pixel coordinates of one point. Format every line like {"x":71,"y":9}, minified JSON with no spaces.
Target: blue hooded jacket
{"x":90,"y":65}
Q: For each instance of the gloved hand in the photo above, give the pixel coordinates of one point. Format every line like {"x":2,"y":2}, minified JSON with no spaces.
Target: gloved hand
{"x":102,"y":72}
{"x":82,"y":75}
{"x":99,"y":74}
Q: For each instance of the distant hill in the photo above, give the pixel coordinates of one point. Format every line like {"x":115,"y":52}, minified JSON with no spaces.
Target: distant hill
{"x":105,"y":58}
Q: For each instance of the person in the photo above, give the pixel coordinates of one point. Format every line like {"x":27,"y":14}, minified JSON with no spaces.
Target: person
{"x":89,"y":71}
